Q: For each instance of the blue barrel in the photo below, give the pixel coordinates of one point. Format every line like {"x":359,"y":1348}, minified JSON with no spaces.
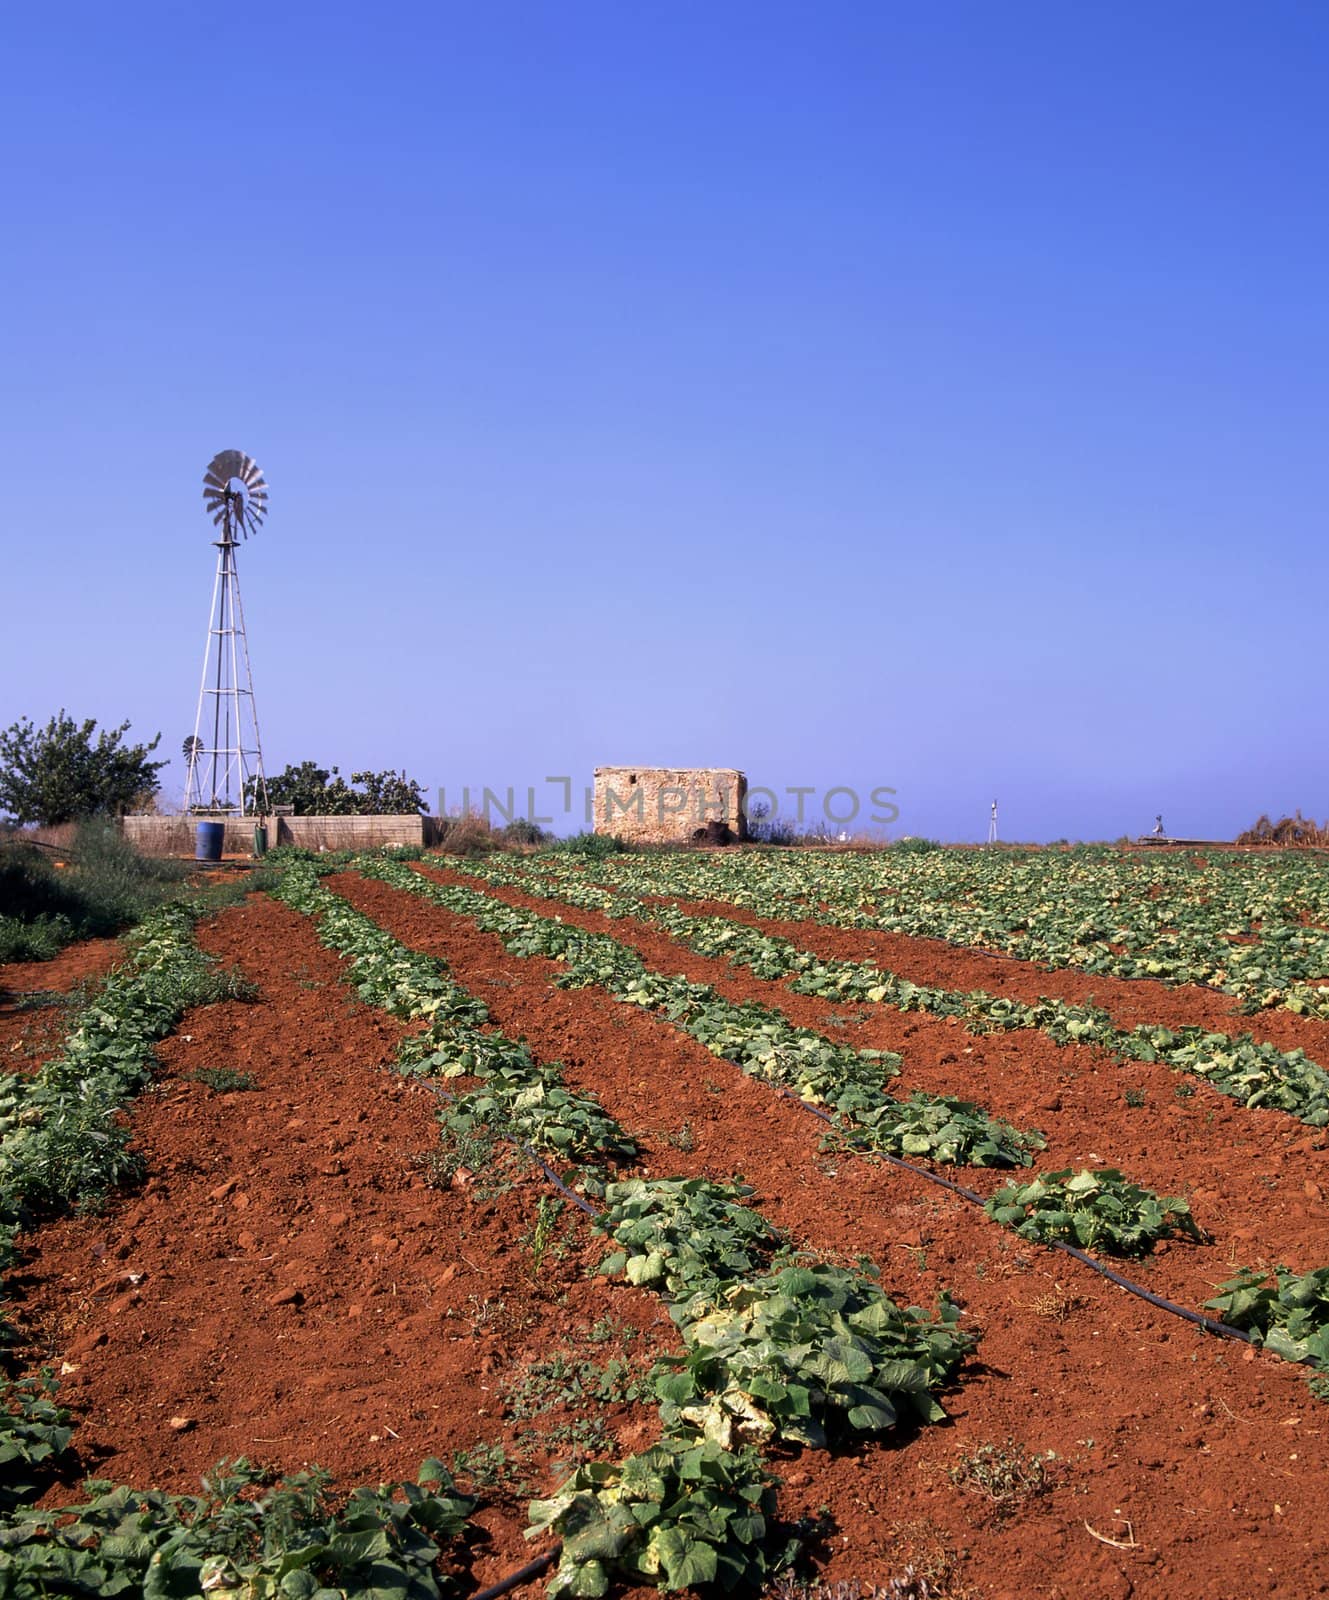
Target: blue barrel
{"x":208,"y":837}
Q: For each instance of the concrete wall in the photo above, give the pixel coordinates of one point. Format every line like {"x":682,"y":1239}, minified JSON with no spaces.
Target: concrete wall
{"x":174,"y":836}
{"x":667,"y":805}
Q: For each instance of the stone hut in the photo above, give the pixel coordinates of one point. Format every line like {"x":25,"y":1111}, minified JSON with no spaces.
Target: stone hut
{"x":671,"y":805}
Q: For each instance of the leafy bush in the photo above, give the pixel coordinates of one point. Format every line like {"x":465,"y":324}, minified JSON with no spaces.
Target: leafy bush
{"x":522,"y":831}
{"x":679,"y":1515}
{"x":947,"y":1131}
{"x":595,"y":846}
{"x":1290,"y":1314}
{"x":243,"y":1536}
{"x":1095,"y":1210}
{"x":107,"y":886}
{"x":321,"y":862}
{"x":685,"y":1236}
{"x":468,"y":836}
{"x":805,"y":1351}
{"x":537,"y":1109}
{"x":33,"y":1432}
{"x":765,"y":827}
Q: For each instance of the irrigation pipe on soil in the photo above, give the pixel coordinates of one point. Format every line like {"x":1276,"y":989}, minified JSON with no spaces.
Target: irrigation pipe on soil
{"x":514,"y":1580}
{"x":1209,"y":1324}
{"x":533,"y":1569}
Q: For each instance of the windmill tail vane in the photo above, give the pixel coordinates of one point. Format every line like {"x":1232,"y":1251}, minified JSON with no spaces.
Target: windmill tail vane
{"x":224,"y":772}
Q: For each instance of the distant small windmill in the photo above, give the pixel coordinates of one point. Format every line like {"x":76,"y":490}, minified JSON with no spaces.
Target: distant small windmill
{"x":220,"y":772}
{"x":992,"y":825}
{"x":191,"y":749}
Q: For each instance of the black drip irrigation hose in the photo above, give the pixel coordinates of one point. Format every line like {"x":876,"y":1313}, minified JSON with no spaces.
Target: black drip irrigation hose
{"x":571,"y":1194}
{"x":507,"y":1138}
{"x":542,"y":1563}
{"x":1209,"y":1324}
{"x":514,"y":1580}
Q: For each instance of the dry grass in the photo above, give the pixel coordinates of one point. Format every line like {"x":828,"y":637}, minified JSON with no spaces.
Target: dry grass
{"x":1057,"y":1304}
{"x":1005,"y":1474}
{"x":1295,"y":831}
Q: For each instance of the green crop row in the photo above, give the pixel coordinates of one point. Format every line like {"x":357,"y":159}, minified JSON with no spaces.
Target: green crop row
{"x":848,"y":1082}
{"x":60,"y":1142}
{"x":776,"y":1347}
{"x":1256,"y":927}
{"x":1118,"y":1216}
{"x":60,"y":1145}
{"x":1245,"y":1069}
{"x":244,"y":1538}
{"x":525,"y":1100}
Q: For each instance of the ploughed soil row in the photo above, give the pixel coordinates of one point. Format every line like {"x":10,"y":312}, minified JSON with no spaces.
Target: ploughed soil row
{"x":287,"y":1285}
{"x":1130,"y":1001}
{"x":32,"y":1020}
{"x":1257,"y":1180}
{"x":1204,"y":1459}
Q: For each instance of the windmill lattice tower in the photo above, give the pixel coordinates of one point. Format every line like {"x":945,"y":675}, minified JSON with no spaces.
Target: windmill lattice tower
{"x":224,"y":756}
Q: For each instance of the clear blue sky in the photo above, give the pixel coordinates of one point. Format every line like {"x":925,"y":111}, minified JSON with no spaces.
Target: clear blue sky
{"x":932,"y":396}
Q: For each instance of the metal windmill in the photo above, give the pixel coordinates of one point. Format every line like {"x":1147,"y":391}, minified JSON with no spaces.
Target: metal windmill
{"x":223,"y":754}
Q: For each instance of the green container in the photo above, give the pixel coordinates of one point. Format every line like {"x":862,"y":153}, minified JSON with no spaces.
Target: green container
{"x":260,"y":840}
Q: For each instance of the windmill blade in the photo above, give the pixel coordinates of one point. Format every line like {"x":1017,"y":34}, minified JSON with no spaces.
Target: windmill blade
{"x":245,"y":505}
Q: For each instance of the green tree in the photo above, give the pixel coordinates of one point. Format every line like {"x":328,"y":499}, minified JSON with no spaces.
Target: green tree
{"x":310,"y":790}
{"x":315,"y":791}
{"x":389,"y":793}
{"x":60,"y":773}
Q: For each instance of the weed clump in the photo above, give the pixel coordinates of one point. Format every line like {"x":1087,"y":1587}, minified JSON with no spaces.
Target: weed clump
{"x":102,"y":886}
{"x":1006,"y":1474}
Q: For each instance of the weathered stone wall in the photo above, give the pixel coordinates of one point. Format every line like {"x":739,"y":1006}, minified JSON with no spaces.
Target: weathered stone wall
{"x":667,"y":805}
{"x":174,"y":836}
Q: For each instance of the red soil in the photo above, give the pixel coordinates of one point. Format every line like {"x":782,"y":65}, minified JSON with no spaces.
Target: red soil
{"x":1256,"y":1180}
{"x":286,"y":1286}
{"x":1129,"y":1000}
{"x":289,"y":1285}
{"x":30,"y":1033}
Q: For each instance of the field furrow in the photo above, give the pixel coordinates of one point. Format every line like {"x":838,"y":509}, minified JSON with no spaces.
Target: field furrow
{"x":1148,"y":1414}
{"x":1257,"y":1181}
{"x":287,"y":1285}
